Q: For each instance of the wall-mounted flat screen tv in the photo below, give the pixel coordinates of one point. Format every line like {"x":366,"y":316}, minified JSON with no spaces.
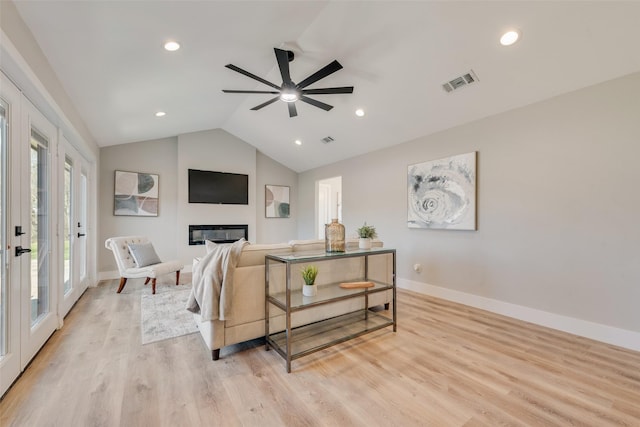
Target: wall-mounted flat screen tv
{"x":218,"y":187}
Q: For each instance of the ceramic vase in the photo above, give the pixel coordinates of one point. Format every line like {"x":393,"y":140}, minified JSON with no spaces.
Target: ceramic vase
{"x":364,"y":243}
{"x":309,"y":290}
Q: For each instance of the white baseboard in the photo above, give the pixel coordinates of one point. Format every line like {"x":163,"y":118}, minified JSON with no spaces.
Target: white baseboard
{"x":596,"y":331}
{"x":108,"y":275}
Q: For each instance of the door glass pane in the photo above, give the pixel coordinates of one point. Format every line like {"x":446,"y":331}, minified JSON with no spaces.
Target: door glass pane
{"x":83,"y":221}
{"x":68,"y":223}
{"x":39,"y":226}
{"x":4,"y":319}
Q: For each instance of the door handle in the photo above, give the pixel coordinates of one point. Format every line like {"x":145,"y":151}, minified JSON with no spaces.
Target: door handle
{"x":81,"y":234}
{"x":20,"y":250}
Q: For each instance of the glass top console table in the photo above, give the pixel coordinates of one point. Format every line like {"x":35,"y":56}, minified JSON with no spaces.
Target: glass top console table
{"x":335,"y":314}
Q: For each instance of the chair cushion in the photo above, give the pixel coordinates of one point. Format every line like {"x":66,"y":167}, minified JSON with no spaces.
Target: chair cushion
{"x":155,"y":270}
{"x":144,"y":254}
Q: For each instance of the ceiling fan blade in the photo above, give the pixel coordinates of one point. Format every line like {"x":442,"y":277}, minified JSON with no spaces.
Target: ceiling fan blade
{"x":283,"y":63}
{"x":253,"y":76}
{"x":328,"y":91}
{"x":315,"y":103}
{"x":250,"y":91}
{"x":292,"y":109}
{"x":320,"y":74}
{"x":264,"y":104}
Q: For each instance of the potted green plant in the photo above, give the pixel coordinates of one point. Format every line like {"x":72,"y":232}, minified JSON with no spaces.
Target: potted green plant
{"x":366,"y":233}
{"x":309,"y":274}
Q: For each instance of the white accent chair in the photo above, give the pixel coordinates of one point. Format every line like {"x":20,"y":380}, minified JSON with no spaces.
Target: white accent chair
{"x":127,"y":266}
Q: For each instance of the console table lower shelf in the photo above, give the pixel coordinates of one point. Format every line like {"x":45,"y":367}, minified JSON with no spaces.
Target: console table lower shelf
{"x":317,"y":336}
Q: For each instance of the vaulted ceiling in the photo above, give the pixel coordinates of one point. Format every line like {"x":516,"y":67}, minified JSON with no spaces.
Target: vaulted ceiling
{"x":110,"y":59}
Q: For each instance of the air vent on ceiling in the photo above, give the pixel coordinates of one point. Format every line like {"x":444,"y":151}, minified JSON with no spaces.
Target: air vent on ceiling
{"x":327,"y":139}
{"x":458,"y":82}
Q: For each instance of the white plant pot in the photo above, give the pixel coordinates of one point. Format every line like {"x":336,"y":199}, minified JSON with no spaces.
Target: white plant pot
{"x":309,"y":290}
{"x":364,"y":243}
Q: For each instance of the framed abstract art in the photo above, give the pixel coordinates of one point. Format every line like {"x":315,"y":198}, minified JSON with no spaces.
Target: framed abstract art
{"x":276,"y":201}
{"x":135,"y":194}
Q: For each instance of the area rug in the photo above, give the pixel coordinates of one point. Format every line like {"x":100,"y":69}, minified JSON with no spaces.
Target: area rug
{"x":164,"y":316}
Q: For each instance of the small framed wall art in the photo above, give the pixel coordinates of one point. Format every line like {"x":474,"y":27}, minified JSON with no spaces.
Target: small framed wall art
{"x":135,"y":194}
{"x":276,"y":201}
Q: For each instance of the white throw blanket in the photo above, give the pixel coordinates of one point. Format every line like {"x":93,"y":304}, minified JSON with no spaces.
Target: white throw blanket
{"x":212,"y":288}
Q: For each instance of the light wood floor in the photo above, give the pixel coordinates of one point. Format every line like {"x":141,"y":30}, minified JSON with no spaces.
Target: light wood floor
{"x":448,"y":365}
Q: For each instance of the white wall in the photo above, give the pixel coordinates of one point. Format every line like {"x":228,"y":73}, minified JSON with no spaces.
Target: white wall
{"x":558,"y":204}
{"x":55,"y":104}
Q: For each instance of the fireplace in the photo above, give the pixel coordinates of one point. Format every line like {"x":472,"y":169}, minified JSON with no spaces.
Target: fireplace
{"x":217,"y":233}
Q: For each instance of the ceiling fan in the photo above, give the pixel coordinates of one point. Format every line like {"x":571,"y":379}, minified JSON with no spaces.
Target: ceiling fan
{"x":290,"y":92}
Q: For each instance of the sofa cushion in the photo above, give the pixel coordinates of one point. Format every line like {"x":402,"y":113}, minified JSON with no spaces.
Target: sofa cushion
{"x":253,"y":254}
{"x":307,"y":245}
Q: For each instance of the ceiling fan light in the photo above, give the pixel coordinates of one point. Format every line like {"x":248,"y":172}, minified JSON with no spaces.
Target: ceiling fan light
{"x":289,"y":96}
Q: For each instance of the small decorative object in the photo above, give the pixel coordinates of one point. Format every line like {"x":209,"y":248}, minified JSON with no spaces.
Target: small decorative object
{"x":334,"y":236}
{"x":442,"y":193}
{"x":356,"y":285}
{"x":276,"y":201}
{"x":309,"y":274}
{"x":135,"y":194}
{"x":366,"y":233}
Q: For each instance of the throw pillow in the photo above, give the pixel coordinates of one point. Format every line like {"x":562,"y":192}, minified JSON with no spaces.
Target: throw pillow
{"x":210,"y":246}
{"x":144,"y":254}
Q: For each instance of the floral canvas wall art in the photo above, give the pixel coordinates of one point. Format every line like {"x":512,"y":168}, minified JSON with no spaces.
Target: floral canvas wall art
{"x":442,"y":193}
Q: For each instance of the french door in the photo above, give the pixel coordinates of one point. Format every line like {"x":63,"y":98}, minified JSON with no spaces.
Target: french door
{"x":34,"y":244}
{"x":10,"y":365}
{"x":29,"y":289}
{"x":73,"y":225}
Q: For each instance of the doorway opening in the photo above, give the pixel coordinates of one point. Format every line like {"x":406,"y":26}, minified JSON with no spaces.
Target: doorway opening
{"x":328,"y":202}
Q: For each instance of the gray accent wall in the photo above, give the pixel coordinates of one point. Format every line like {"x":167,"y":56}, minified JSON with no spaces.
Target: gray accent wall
{"x":156,"y":157}
{"x":558,"y":206}
{"x":275,"y":230}
{"x":170,"y":158}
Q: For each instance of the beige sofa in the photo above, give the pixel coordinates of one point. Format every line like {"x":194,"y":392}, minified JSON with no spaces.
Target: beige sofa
{"x":248,"y":300}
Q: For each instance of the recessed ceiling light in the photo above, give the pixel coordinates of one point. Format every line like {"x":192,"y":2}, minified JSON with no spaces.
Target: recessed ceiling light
{"x":360,"y":112}
{"x":298,"y":142}
{"x":510,"y":37}
{"x":172,"y":46}
{"x":160,"y":114}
